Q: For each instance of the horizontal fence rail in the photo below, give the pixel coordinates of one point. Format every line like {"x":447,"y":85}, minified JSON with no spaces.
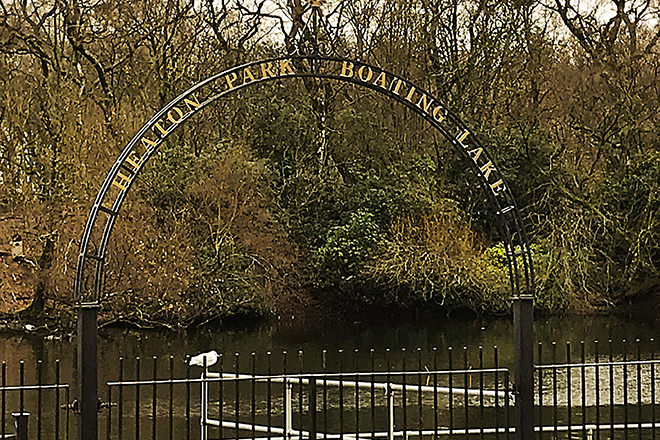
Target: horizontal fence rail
{"x":382,"y":392}
{"x":606,"y":397}
{"x":586,"y":391}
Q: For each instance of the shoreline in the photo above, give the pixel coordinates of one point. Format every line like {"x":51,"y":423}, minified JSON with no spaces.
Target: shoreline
{"x":644,"y":307}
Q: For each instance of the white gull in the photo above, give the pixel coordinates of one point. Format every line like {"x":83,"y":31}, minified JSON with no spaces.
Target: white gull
{"x":211,"y":358}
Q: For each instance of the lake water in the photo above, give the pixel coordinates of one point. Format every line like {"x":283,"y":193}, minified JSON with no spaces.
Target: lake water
{"x":441,"y":332}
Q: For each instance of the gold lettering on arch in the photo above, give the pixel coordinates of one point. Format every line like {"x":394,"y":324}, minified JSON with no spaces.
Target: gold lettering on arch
{"x":148,"y":144}
{"x":285,"y":67}
{"x":134,"y":161}
{"x":498,"y":187}
{"x":171,"y":118}
{"x":369,"y":75}
{"x":248,"y":77}
{"x":121,"y":181}
{"x":346,"y":69}
{"x":437,"y":115}
{"x":230,"y":78}
{"x":396,"y":85}
{"x":486,"y":169}
{"x":381,"y":80}
{"x":192,"y":103}
{"x":160,"y":128}
{"x":267,"y":70}
{"x":424,"y":103}
{"x":411,"y":93}
{"x":476,"y":153}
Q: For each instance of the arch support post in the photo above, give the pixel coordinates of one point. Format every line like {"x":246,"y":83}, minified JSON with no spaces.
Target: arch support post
{"x":87,"y":371}
{"x":523,"y":341}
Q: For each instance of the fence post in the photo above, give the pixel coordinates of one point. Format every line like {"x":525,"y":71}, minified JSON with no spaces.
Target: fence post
{"x":204,"y":405}
{"x":21,"y":424}
{"x":523,"y":341}
{"x":288,"y":407}
{"x":313,"y":429}
{"x":87,"y":371}
{"x":390,"y":413}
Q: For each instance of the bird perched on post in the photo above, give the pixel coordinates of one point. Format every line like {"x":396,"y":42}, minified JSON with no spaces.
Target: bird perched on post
{"x":211,"y":358}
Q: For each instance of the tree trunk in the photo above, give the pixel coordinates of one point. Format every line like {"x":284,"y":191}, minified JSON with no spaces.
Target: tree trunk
{"x":36,"y":308}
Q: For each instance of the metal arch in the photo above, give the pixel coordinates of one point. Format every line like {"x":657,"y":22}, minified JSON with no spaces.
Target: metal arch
{"x":146,"y":142}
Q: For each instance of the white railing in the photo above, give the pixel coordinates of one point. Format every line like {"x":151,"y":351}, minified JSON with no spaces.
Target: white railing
{"x":288,"y":433}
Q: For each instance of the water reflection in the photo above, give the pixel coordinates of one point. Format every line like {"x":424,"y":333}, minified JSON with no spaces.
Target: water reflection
{"x":332,"y":336}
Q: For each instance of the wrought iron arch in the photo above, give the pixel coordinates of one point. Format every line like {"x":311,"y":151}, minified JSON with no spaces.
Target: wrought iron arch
{"x":120,"y":178}
{"x":107,"y":205}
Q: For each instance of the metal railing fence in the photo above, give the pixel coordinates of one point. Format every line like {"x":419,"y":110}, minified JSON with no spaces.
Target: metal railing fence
{"x":42,"y":401}
{"x":592,"y":391}
{"x":392,"y":394}
{"x":612,"y":395}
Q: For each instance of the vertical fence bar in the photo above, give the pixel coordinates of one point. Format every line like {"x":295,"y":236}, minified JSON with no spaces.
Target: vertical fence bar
{"x":204,"y":401}
{"x":373,"y":394}
{"x":569,"y":385}
{"x":170,"y":408}
{"x":313,"y":428}
{"x":496,"y":362}
{"x":653,"y":390}
{"x":390,"y":413}
{"x":253,"y":386}
{"x":120,"y":404}
{"x":154,"y":415}
{"x":324,"y":367}
{"x":507,"y":406}
{"x":419,"y":391}
{"x":39,"y":396}
{"x":108,"y":430}
{"x":237,"y":401}
{"x":300,"y":390}
{"x":21,"y":382}
{"x":451,"y":390}
{"x":341,"y":393}
{"x":625,"y":389}
{"x":221,"y":398}
{"x":583,"y":388}
{"x":56,"y":409}
{"x":467,"y":377}
{"x":481,"y":391}
{"x":188,"y":398}
{"x":357,"y":394}
{"x":435,"y":393}
{"x":288,"y":416}
{"x":4,"y":398}
{"x":555,"y":405}
{"x":597,"y":386}
{"x":21,"y":418}
{"x":286,"y":393}
{"x":404,"y":396}
{"x":540,"y":388}
{"x":67,"y":398}
{"x":639,"y":391}
{"x":137,"y":398}
{"x":390,"y":397}
{"x":611,"y":371}
{"x":269,"y":389}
